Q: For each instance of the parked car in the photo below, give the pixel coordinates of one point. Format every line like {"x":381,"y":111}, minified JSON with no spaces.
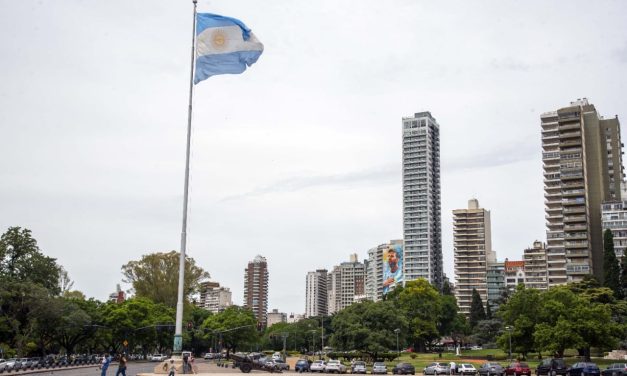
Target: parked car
{"x":584,"y":369}
{"x":359,"y":367}
{"x":403,"y":369}
{"x":490,"y":369}
{"x":3,"y":365}
{"x":437,"y":369}
{"x":476,"y":348}
{"x":13,"y":364}
{"x":379,"y":368}
{"x":466,"y":369}
{"x":158,"y":358}
{"x":335,"y":366}
{"x":280,"y":364}
{"x":517,"y":369}
{"x":552,"y":367}
{"x":302,"y":365}
{"x":318,"y":366}
{"x":615,"y":369}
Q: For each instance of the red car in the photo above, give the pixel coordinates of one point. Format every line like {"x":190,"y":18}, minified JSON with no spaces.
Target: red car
{"x":517,"y":369}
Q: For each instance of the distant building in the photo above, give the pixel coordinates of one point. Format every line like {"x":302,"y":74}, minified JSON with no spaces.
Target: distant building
{"x":256,"y":289}
{"x":472,"y":233}
{"x":495,"y":283}
{"x":536,"y":267}
{"x":346,"y":281}
{"x":294,"y":317}
{"x":422,"y":228}
{"x":119,"y":296}
{"x":214,"y":298}
{"x":375,"y":269}
{"x":316,"y":295}
{"x":276,"y":317}
{"x":514,"y":274}
{"x":614,"y":217}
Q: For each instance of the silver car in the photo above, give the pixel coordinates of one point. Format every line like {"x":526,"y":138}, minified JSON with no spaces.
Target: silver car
{"x":379,"y":368}
{"x":437,"y":369}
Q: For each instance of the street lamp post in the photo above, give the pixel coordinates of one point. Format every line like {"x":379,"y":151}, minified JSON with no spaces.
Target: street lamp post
{"x":509,"y":329}
{"x":397,"y":330}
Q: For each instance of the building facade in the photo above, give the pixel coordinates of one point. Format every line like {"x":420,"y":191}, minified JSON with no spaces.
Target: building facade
{"x":375,"y":269}
{"x":582,"y":169}
{"x":214,"y":298}
{"x":316,"y":295}
{"x":422,"y":229}
{"x":536,"y":272}
{"x":514,"y":274}
{"x":256,"y":289}
{"x":345,"y":283}
{"x":472,"y":242}
{"x":495,"y":283}
{"x":614,"y":217}
{"x":276,"y":317}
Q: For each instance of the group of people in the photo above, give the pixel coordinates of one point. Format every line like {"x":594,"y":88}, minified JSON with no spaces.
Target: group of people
{"x":106,"y":361}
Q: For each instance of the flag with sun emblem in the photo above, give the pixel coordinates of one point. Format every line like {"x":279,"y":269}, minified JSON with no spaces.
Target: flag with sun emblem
{"x":224,"y":45}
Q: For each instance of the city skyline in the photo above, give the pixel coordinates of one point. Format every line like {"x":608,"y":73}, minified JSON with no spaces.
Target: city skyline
{"x":298,"y":158}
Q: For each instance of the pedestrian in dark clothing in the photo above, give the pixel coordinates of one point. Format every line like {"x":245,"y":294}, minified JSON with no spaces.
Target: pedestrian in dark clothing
{"x":121,"y":366}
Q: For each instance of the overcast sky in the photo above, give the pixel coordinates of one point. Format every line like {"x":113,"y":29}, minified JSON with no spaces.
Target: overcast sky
{"x":299,"y":158}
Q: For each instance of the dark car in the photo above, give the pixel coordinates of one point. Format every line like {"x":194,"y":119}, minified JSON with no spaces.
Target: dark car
{"x":552,"y":367}
{"x":584,"y":369}
{"x":490,"y":369}
{"x":517,"y":369}
{"x":403,"y":369}
{"x":302,"y":365}
{"x":616,"y":369}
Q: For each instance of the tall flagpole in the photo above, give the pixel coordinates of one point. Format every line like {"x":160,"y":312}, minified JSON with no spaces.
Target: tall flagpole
{"x":178,"y":334}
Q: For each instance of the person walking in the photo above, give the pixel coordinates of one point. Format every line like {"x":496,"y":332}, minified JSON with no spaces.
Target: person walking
{"x":104,"y":364}
{"x":122,"y":366}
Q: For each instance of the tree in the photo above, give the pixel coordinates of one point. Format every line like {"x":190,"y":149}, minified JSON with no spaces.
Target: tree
{"x":420,"y":302}
{"x":235,"y":327}
{"x":623,"y":275}
{"x":368,"y":327}
{"x":446,"y":288}
{"x":156,"y":276}
{"x":520,"y":313}
{"x":22,"y":261}
{"x":65,"y":283}
{"x":611,"y":267}
{"x":477,"y":313}
{"x":487,"y":331}
{"x":488,"y":311}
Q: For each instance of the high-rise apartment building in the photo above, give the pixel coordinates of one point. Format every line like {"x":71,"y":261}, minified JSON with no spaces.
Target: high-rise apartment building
{"x":422,"y":229}
{"x":495,"y":283}
{"x":256,"y":288}
{"x":582,"y":169}
{"x":536,"y":273}
{"x":346,"y":284}
{"x":473,"y":252}
{"x":614,"y":215}
{"x":316,"y":296}
{"x":375,"y":269}
{"x":213,"y":297}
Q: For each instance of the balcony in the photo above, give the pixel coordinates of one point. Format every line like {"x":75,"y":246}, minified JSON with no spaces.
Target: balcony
{"x":573,"y":192}
{"x":574,"y":210}
{"x":575,"y":218}
{"x":576,"y":244}
{"x":574,"y":201}
{"x":569,"y":126}
{"x":570,"y":143}
{"x":571,"y":176}
{"x":565,"y":135}
{"x":580,"y":227}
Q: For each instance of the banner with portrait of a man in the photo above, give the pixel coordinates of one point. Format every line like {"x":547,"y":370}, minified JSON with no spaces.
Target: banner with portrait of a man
{"x":392,"y":267}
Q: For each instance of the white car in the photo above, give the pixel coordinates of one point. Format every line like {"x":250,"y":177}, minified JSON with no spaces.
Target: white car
{"x":317,"y":366}
{"x":335,"y":366}
{"x":466,"y":369}
{"x":158,"y":358}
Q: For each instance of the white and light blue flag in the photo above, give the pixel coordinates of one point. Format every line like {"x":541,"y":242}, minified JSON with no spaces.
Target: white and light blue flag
{"x":224,"y":45}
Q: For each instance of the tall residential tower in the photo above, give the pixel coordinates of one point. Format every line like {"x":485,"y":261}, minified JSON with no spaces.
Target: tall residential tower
{"x":316,"y":297}
{"x":256,"y":289}
{"x":472,"y":241}
{"x":582,"y":169}
{"x":422,"y":231}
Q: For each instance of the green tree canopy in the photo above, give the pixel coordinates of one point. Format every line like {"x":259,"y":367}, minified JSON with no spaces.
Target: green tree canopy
{"x":22,"y":261}
{"x":611,"y":267}
{"x":477,"y":312}
{"x":421,"y":303}
{"x":156,"y":276}
{"x":235,"y":327}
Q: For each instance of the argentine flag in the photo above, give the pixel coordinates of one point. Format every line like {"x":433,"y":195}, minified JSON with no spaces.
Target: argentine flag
{"x":223,"y":45}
